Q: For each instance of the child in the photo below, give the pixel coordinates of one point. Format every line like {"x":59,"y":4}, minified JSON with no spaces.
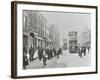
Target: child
{"x":44,"y":60}
{"x":25,"y":62}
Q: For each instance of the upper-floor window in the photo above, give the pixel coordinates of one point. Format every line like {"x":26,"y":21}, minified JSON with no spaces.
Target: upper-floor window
{"x":30,"y":21}
{"x":25,"y":21}
{"x":34,"y":23}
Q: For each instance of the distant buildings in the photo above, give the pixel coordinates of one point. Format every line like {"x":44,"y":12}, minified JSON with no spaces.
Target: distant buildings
{"x":38,"y":32}
{"x":54,"y":36}
{"x":84,"y":38}
{"x":79,"y":39}
{"x":72,"y":41}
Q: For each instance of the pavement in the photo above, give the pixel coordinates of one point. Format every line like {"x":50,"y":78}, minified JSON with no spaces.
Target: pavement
{"x":65,"y":60}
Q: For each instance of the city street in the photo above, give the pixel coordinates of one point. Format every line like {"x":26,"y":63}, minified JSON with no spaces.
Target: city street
{"x":65,"y":60}
{"x":41,"y":30}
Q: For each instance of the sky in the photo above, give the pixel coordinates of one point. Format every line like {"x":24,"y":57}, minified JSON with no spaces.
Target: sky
{"x":66,"y":22}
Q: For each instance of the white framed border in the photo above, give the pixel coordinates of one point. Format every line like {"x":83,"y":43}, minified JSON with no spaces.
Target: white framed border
{"x":21,"y":72}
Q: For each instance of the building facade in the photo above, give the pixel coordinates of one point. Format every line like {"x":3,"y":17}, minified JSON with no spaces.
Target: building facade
{"x":37,"y":32}
{"x":72,"y":41}
{"x":54,"y":36}
{"x":84,"y":39}
{"x":29,"y":28}
{"x":88,"y":38}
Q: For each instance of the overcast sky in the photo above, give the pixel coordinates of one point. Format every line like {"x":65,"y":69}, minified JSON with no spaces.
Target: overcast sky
{"x":68,"y":22}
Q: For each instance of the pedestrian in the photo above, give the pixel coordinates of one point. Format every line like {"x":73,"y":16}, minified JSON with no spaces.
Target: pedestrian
{"x":35,"y":53}
{"x":44,"y":58}
{"x":58,"y":52}
{"x":88,"y":49}
{"x":50,"y":53}
{"x":25,"y":62}
{"x":79,"y":52}
{"x":31,"y":52}
{"x":28,"y":57}
{"x":54,"y":52}
{"x":83,"y":50}
{"x":47,"y":53}
{"x":40,"y":53}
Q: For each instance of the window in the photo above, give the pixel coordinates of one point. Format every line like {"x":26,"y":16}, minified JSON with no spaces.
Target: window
{"x":25,"y":21}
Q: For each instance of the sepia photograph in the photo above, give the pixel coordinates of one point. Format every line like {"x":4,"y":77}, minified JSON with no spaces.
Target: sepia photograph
{"x":53,"y":39}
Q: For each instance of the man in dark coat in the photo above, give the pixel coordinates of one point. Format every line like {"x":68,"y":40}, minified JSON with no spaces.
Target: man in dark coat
{"x":58,"y":52}
{"x":40,"y":53}
{"x":51,"y":53}
{"x":84,"y":51}
{"x":88,"y":49}
{"x":31,"y":52}
{"x":25,"y":60}
{"x":54,"y":50}
{"x":79,"y":52}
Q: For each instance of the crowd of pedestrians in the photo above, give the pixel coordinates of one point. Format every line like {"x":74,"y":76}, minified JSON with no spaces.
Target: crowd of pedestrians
{"x":82,"y":50}
{"x":43,"y":54}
